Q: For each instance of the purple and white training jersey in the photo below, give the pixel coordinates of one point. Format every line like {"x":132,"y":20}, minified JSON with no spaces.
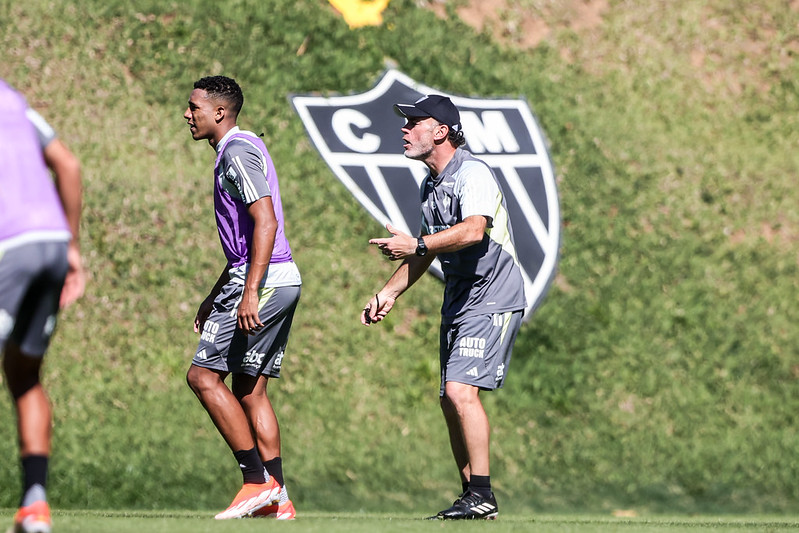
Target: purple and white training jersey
{"x":30,"y":209}
{"x":244,"y":173}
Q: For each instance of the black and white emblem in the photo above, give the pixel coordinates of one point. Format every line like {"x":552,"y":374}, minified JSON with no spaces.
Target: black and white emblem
{"x":359,"y":137}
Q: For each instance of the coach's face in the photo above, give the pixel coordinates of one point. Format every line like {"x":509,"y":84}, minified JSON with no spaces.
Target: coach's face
{"x":200,"y":115}
{"x":419,"y":136}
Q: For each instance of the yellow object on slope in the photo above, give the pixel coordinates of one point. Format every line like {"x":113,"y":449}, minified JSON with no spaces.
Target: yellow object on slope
{"x":359,"y":13}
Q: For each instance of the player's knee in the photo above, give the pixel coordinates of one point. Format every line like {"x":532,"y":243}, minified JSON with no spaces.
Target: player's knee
{"x":21,"y":371}
{"x":200,"y":379}
{"x":248,"y":388}
{"x":19,"y":387}
{"x":20,"y":383}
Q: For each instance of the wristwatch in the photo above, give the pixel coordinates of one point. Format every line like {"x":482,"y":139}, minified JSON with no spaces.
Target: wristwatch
{"x":421,"y":247}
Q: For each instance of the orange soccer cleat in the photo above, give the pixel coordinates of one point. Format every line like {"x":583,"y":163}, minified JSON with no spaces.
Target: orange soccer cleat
{"x":282,"y":511}
{"x":251,"y":497}
{"x":34,"y":518}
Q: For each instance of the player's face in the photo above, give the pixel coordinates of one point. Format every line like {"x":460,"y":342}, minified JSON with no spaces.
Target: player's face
{"x":418,"y":137}
{"x":200,"y":115}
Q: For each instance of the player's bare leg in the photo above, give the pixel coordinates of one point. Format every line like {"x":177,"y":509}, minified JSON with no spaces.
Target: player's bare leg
{"x":222,"y":406}
{"x":230,"y":419}
{"x":251,"y":393}
{"x":32,"y":405}
{"x":34,"y":426}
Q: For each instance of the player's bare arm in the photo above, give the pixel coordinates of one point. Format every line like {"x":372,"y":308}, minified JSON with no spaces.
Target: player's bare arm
{"x":66,"y":169}
{"x":207,"y":305}
{"x":263,"y":241}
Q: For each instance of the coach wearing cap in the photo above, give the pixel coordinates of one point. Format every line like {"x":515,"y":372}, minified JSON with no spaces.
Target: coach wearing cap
{"x":465,"y":224}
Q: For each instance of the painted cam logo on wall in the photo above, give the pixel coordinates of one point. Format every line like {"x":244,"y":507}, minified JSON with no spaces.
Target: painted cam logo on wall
{"x":359,"y":137}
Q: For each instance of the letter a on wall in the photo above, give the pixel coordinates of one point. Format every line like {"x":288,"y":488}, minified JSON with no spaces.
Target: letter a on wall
{"x":359,"y":138}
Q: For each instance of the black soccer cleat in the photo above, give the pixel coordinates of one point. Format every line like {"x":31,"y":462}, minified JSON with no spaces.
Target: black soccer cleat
{"x":470,"y":506}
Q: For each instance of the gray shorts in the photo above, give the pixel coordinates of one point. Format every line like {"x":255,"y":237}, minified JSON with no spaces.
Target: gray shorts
{"x":476,"y":350}
{"x":31,"y":278}
{"x":224,"y":347}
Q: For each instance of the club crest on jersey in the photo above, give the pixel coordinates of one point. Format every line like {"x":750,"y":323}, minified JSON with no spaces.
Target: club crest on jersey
{"x":359,"y":138}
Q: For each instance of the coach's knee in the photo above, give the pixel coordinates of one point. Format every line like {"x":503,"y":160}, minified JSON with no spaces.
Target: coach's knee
{"x":459,"y":395}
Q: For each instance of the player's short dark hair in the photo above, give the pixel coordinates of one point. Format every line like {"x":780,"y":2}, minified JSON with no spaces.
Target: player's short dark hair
{"x":223,"y":88}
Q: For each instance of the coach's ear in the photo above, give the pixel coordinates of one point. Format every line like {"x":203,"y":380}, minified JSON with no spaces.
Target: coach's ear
{"x":441,"y":133}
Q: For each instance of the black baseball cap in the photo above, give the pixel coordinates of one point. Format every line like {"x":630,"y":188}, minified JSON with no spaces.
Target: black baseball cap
{"x":439,"y":107}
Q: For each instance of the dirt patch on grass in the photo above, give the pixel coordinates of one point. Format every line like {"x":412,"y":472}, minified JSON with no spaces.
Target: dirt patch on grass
{"x":523,"y":23}
{"x":727,"y":51}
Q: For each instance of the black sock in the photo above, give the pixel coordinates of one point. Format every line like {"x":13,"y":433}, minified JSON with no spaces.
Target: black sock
{"x":464,"y":486}
{"x":34,"y":472}
{"x":275,"y":469}
{"x":480,"y":485}
{"x":251,"y":467}
{"x":34,"y":469}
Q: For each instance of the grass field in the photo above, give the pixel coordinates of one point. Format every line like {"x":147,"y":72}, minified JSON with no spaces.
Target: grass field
{"x":316,"y":522}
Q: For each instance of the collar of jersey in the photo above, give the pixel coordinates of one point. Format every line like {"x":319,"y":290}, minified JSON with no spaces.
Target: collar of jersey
{"x":233,"y":131}
{"x":451,"y":167}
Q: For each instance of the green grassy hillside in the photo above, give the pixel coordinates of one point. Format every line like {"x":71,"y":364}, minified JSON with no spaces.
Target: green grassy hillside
{"x":659,"y":375}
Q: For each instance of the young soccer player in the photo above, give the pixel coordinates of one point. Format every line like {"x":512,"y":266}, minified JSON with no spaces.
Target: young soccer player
{"x":244,"y":321}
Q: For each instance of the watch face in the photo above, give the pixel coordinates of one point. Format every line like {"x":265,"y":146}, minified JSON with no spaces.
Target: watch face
{"x":421,"y":248}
